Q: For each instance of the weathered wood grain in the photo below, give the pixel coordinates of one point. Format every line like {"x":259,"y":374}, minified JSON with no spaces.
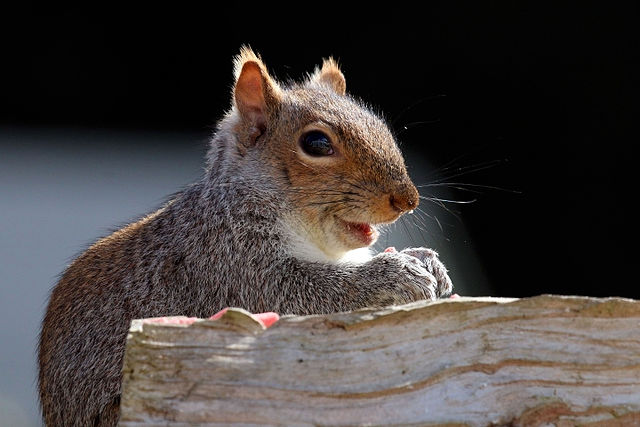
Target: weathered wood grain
{"x":547,"y":360}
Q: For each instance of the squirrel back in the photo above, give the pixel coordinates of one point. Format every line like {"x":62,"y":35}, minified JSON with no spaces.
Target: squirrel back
{"x":297,"y":180}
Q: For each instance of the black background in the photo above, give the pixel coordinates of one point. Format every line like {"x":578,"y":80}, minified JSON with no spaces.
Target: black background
{"x":517,"y":95}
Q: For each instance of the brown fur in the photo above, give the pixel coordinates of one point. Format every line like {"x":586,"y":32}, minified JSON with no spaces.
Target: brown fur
{"x":263,"y":230}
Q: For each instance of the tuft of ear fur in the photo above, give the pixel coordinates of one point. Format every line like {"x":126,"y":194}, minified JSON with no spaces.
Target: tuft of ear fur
{"x":330,"y":75}
{"x":255,"y":93}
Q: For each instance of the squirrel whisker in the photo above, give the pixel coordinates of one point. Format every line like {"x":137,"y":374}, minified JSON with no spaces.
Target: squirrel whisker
{"x":441,"y":204}
{"x":433,"y":217}
{"x":462,"y":186}
{"x":437,"y":199}
{"x":464,"y":170}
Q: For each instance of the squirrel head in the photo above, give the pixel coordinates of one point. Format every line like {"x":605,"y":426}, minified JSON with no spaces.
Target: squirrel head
{"x":336,"y":162}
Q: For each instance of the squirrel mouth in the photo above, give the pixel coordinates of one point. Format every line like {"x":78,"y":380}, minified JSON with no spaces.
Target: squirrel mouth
{"x":363,"y":232}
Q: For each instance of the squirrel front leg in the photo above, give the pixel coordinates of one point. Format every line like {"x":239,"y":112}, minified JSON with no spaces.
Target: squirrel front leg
{"x":386,"y":279}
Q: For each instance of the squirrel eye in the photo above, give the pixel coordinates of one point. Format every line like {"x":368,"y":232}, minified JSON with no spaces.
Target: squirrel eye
{"x":316,"y":143}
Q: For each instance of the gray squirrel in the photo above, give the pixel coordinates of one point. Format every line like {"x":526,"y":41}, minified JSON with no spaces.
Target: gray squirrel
{"x":298,"y":179}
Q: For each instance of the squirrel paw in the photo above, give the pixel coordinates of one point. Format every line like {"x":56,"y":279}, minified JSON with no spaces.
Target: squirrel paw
{"x":431,"y":262}
{"x":411,"y":275}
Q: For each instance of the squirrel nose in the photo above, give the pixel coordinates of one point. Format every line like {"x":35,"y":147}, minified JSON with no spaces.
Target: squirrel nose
{"x":405,"y":199}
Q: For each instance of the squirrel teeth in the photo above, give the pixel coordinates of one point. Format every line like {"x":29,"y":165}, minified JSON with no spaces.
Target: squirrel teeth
{"x":364,"y":232}
{"x":364,"y":229}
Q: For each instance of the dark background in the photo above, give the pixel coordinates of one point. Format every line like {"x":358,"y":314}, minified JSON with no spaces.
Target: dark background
{"x":542,"y":93}
{"x":529,"y":104}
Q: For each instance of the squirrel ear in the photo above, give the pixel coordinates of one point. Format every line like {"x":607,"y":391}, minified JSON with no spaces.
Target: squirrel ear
{"x":255,"y":92}
{"x":331,"y":76}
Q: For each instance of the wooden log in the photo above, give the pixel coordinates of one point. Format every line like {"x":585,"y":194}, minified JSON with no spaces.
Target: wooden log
{"x":546,"y":360}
